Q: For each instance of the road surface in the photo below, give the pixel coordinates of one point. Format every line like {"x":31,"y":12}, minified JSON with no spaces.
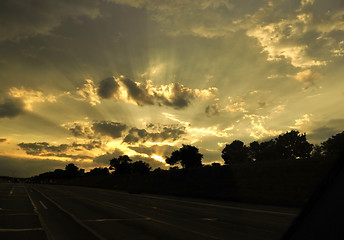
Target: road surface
{"x":53,"y":212}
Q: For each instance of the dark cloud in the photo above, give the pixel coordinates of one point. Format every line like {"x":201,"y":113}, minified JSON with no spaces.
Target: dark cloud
{"x":167,"y":133}
{"x":107,"y":128}
{"x":24,"y":19}
{"x":160,"y":150}
{"x":173,"y":95}
{"x":261,"y":104}
{"x":88,"y":146}
{"x":212,"y":110}
{"x":34,"y":148}
{"x":11,"y":107}
{"x":105,"y":158}
{"x":136,"y":135}
{"x":180,"y":96}
{"x":45,"y":149}
{"x":107,"y":88}
{"x":78,"y":130}
{"x":326,"y":130}
{"x":322,"y":133}
{"x":3,"y":140}
{"x":138,"y":92}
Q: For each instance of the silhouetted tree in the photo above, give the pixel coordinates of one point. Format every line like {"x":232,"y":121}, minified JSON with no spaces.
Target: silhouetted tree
{"x":263,"y":151}
{"x":267,"y":151}
{"x":216,"y":165}
{"x":317,"y":152}
{"x":59,"y":173}
{"x":71,"y":170}
{"x":140,"y":167}
{"x":98,"y":172}
{"x":236,"y":152}
{"x":254,"y":151}
{"x":188,"y":156}
{"x":333,"y":147}
{"x":122,"y":164}
{"x":293,"y":145}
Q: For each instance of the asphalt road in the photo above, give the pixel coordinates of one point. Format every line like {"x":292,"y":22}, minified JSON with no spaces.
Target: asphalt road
{"x":30,"y":211}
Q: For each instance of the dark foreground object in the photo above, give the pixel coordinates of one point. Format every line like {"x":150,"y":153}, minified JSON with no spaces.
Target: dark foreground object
{"x":322,"y":217}
{"x":68,"y":212}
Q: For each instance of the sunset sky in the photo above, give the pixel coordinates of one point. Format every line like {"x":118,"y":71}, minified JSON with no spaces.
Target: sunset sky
{"x":84,"y":81}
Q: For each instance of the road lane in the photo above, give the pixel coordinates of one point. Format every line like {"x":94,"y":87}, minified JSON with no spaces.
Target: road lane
{"x":118,"y":215}
{"x":18,"y":219}
{"x":59,"y":224}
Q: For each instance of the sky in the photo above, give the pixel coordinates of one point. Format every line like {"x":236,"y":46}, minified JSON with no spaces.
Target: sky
{"x":85,"y":81}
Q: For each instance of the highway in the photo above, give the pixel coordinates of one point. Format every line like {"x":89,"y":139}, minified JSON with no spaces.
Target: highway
{"x":54,"y":212}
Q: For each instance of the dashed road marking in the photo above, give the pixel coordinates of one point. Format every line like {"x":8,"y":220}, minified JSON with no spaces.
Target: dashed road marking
{"x":43,"y":205}
{"x":209,"y":219}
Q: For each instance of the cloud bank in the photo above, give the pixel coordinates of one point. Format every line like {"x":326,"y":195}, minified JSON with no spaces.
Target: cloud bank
{"x":122,"y":89}
{"x":62,"y":150}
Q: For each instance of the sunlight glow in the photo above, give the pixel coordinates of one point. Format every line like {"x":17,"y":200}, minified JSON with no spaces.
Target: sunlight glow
{"x":158,"y":158}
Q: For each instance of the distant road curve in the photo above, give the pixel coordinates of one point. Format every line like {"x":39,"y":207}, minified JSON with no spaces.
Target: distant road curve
{"x":68,"y":212}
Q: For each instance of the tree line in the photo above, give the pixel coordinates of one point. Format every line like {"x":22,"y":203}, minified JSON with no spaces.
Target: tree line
{"x":291,"y":145}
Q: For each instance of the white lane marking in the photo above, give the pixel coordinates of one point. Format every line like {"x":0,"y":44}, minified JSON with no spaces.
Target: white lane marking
{"x":209,"y":219}
{"x":41,"y":220}
{"x":11,"y":192}
{"x":33,"y":204}
{"x":43,"y":205}
{"x":20,"y":229}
